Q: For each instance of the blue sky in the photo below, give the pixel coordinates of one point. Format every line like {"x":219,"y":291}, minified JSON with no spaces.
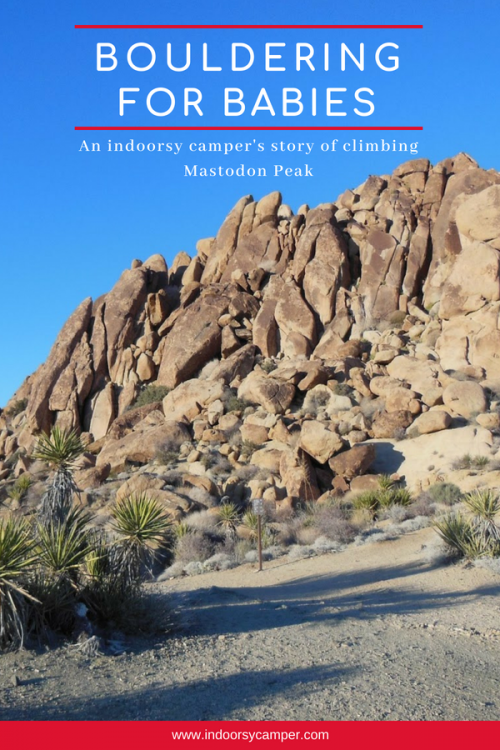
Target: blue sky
{"x":72,"y":221}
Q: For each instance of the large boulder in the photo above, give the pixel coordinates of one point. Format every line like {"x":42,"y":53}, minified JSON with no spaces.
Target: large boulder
{"x":39,"y":415}
{"x":431,"y":421}
{"x":465,"y":398}
{"x":320,"y":440}
{"x":353,"y":462}
{"x":295,"y":321}
{"x":382,"y":260}
{"x":268,"y":392}
{"x":188,"y":399}
{"x":390,"y":425}
{"x":479,"y":216}
{"x":424,"y":377}
{"x":123,"y":304}
{"x":142,"y":445}
{"x":194,"y":339}
{"x":298,"y":476}
{"x":225,"y":242}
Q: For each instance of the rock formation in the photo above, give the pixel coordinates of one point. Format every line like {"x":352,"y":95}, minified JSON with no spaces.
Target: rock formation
{"x":288,"y":343}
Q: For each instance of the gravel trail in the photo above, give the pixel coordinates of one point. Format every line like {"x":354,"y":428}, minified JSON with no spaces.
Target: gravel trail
{"x":373,"y":632}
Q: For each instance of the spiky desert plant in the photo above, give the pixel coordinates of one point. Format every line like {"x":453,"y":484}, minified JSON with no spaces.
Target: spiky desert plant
{"x":483,"y":503}
{"x":108,"y":590}
{"x":368,"y":500}
{"x":16,"y":560}
{"x":460,"y":533}
{"x":64,"y":545}
{"x":20,"y":487}
{"x":250,"y":521}
{"x":143,"y":529}
{"x":229,"y":517}
{"x":385,"y":482}
{"x":54,"y":610}
{"x":60,"y":450}
{"x":400,"y":496}
{"x":24,"y":482}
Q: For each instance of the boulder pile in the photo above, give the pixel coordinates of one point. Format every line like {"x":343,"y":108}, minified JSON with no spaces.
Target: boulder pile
{"x":278,"y":358}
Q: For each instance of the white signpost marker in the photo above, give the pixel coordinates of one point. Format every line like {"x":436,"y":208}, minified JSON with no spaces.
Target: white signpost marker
{"x":258,"y":509}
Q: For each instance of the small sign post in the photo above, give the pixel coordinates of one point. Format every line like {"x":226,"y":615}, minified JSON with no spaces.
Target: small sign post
{"x":258,"y":509}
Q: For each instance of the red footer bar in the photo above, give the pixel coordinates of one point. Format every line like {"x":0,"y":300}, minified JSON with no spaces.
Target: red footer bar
{"x":386,"y":735}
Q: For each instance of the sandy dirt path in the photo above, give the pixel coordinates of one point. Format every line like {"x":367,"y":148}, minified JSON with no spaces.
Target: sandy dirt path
{"x":373,"y":632}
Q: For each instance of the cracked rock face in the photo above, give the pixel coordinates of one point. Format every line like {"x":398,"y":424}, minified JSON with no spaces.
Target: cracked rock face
{"x":301,"y":335}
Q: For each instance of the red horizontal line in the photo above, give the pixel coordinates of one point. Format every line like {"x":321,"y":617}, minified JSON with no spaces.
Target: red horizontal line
{"x":244,"y":127}
{"x":248,"y":26}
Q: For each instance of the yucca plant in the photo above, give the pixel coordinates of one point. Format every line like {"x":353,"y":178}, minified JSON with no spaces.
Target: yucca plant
{"x":459,"y":533}
{"x":20,"y":487}
{"x":402,"y":496}
{"x":385,"y":482}
{"x":483,"y":503}
{"x":108,"y":590}
{"x":229,"y":517}
{"x":143,"y":530}
{"x":368,"y":500}
{"x":15,"y":493}
{"x":64,"y":545}
{"x":24,"y":482}
{"x":250,"y":521}
{"x":60,"y":450}
{"x":56,"y":598}
{"x":17,"y":558}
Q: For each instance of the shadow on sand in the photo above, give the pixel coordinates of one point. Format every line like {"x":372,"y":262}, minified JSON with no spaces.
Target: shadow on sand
{"x":203,"y":699}
{"x":325,"y":598}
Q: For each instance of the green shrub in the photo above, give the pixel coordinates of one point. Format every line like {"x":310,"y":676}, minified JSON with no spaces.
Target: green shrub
{"x":150,"y":394}
{"x":181,"y":529}
{"x":445,"y":492}
{"x":342,"y":389}
{"x":470,"y":462}
{"x":17,"y":407}
{"x":20,"y":487}
{"x":248,"y":448}
{"x":233,"y":403}
{"x":397,"y":318}
{"x":195,"y":547}
{"x":166,"y":456}
{"x":268,"y":365}
{"x":207,"y":460}
{"x":374,"y":500}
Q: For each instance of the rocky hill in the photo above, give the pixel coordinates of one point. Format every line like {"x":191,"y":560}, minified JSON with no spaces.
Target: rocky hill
{"x":293,"y":344}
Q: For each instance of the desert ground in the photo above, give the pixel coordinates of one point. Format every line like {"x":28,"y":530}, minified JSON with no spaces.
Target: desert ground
{"x":371,"y":633}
